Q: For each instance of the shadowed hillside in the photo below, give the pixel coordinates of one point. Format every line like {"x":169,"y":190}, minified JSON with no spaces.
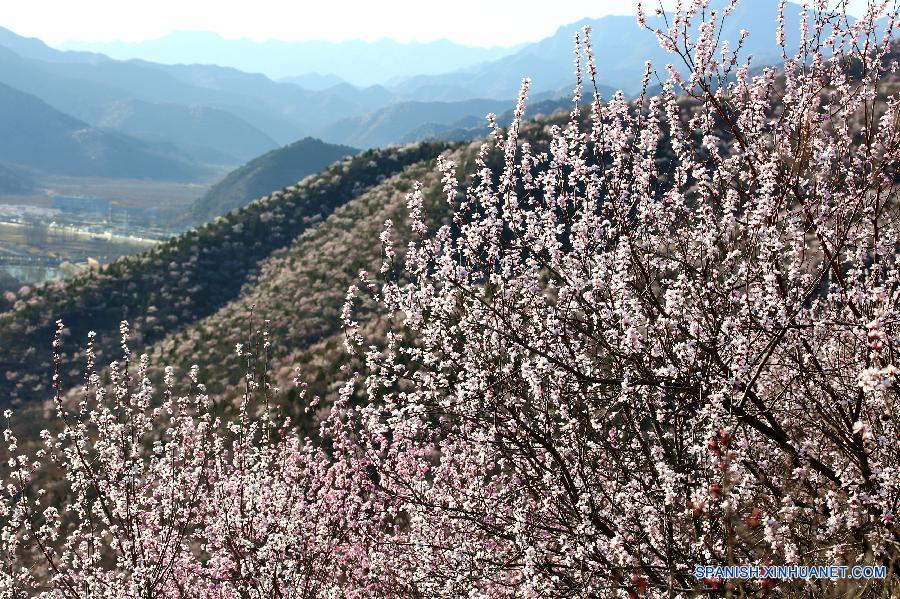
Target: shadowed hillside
{"x":179,"y":281}
{"x":273,"y":170}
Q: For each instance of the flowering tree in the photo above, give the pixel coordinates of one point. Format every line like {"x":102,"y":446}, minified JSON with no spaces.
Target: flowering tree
{"x":665,"y":338}
{"x":163,"y":498}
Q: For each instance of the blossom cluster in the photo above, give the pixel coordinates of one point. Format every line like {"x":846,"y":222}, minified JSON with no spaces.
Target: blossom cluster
{"x":165,"y":498}
{"x":667,"y":338}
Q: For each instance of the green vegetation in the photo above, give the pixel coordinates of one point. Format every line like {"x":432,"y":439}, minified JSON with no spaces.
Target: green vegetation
{"x":178,"y":282}
{"x":261,"y":175}
{"x":300,"y":290}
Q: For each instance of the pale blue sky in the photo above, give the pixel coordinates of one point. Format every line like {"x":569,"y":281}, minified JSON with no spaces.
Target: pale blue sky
{"x":475,"y":22}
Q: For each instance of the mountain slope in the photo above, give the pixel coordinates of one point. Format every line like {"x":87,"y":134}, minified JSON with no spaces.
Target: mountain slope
{"x":273,"y":170}
{"x":291,"y":252}
{"x":38,"y":136}
{"x":178,"y":282}
{"x":207,"y":134}
{"x":300,"y":289}
{"x":393,"y":123}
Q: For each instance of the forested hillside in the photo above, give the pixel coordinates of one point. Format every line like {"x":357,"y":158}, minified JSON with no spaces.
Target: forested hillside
{"x":264,"y":174}
{"x":178,"y":282}
{"x":300,"y":289}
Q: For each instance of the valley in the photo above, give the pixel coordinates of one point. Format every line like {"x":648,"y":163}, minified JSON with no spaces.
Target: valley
{"x":37,"y":252}
{"x":70,"y":223}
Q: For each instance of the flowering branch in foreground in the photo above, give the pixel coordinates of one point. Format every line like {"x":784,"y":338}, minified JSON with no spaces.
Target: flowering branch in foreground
{"x":163,"y":498}
{"x":667,"y":339}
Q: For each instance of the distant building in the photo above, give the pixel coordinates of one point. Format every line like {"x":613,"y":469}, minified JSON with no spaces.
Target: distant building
{"x":82,"y":205}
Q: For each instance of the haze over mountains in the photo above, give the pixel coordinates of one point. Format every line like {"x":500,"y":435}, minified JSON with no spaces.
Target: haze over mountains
{"x":620,"y":47}
{"x":36,"y":135}
{"x":380,"y":127}
{"x":207,"y":134}
{"x":358,"y":62}
{"x":196,"y":103}
{"x":443,"y":70}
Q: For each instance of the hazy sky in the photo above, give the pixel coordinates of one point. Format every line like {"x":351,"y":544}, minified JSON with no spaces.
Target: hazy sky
{"x":476,"y":22}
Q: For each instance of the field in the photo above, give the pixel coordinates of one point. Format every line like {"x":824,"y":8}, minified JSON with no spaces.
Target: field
{"x":131,"y":192}
{"x":39,"y":242}
{"x":35,"y":252}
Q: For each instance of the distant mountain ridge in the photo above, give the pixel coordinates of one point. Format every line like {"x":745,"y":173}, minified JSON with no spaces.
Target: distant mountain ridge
{"x":85,"y":90}
{"x":621,"y":48}
{"x":31,"y":47}
{"x":37,"y":136}
{"x":91,"y":90}
{"x":391,"y":123}
{"x":206,"y":134}
{"x":359,"y":62}
{"x":163,"y":103}
{"x":314,"y":81}
{"x":446,"y":72}
{"x":471,"y":128}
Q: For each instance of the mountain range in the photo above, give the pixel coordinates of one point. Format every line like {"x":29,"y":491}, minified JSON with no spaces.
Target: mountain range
{"x":620,"y":47}
{"x":445,"y":71}
{"x":181,"y":119}
{"x":37,"y":136}
{"x":359,"y":62}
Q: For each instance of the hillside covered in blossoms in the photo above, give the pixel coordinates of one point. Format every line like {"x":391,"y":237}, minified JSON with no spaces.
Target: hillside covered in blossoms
{"x":645,"y":346}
